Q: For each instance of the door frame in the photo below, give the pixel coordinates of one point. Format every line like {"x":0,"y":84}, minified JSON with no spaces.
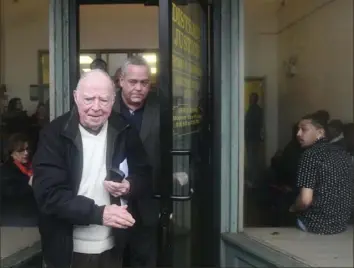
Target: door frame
{"x":64,"y":47}
{"x":63,"y":55}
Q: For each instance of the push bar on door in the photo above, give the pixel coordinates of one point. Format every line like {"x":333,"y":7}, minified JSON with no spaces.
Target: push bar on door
{"x":178,"y":198}
{"x":176,"y":152}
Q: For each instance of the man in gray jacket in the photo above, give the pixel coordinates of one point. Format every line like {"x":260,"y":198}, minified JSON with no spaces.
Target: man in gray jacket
{"x":140,"y":108}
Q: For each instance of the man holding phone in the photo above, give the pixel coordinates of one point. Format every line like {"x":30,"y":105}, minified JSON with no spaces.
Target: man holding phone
{"x":74,"y":157}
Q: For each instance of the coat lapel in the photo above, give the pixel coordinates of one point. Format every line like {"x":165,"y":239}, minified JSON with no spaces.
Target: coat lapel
{"x":111,"y":138}
{"x":149,"y":116}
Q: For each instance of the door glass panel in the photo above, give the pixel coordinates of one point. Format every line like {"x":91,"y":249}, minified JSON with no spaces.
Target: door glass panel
{"x":115,"y":61}
{"x":85,"y":61}
{"x":104,"y":56}
{"x":187,"y":85}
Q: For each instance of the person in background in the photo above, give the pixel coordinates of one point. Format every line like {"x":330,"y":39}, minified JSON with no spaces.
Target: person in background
{"x":323,"y":115}
{"x":16,"y":119}
{"x":98,"y":64}
{"x":16,"y":172}
{"x":39,"y":119}
{"x":14,"y":107}
{"x":79,"y":207}
{"x":141,"y":109}
{"x":41,"y":115}
{"x":349,"y":138}
{"x":116,"y":78}
{"x":324,"y":179}
{"x":335,"y":133}
{"x":253,"y":136}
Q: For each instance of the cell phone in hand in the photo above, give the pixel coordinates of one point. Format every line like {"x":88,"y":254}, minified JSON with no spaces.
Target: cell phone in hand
{"x":116,"y":175}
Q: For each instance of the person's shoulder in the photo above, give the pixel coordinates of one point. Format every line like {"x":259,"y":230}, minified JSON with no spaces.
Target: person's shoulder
{"x":116,"y":117}
{"x":340,"y":152}
{"x":8,"y":164}
{"x":153,"y":98}
{"x":57,"y":125}
{"x":310,"y":154}
{"x":117,"y":121}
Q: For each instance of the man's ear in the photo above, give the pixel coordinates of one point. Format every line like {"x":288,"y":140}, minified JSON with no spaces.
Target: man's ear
{"x":319,"y":133}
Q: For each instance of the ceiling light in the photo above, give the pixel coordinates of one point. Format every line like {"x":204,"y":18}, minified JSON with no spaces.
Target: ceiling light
{"x":150,"y":58}
{"x":153,"y":70}
{"x":85,"y":60}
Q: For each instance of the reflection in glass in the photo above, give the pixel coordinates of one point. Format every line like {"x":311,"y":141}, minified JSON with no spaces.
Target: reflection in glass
{"x":187,"y":86}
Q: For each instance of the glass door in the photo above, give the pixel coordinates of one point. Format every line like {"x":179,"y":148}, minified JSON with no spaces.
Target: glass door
{"x":186,"y":192}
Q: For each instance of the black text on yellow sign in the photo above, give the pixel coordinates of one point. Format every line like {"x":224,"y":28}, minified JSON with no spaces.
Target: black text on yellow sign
{"x":186,"y":34}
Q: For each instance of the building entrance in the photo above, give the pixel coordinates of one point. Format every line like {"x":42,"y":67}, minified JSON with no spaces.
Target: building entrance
{"x":185,"y":193}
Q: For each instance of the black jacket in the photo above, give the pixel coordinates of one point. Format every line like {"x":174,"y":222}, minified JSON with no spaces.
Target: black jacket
{"x":150,"y":137}
{"x":57,"y":167}
{"x":14,"y":183}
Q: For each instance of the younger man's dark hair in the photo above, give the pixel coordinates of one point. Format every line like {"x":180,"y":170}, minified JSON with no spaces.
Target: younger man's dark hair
{"x":317,"y":120}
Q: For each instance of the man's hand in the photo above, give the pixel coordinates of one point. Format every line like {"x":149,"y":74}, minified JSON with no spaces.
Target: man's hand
{"x":117,"y":189}
{"x":117,"y":217}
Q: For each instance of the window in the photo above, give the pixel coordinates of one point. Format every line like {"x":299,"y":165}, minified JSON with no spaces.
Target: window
{"x":85,"y":61}
{"x":114,"y":59}
{"x":291,"y":70}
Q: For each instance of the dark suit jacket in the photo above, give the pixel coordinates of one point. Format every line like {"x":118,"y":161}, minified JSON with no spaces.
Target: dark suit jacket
{"x":150,"y":137}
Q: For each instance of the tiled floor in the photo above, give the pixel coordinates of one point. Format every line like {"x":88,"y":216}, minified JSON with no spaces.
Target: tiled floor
{"x":317,"y":251}
{"x":314,"y":250}
{"x":14,"y":239}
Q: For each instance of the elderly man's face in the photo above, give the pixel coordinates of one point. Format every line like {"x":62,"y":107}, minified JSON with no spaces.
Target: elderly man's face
{"x":94,"y":99}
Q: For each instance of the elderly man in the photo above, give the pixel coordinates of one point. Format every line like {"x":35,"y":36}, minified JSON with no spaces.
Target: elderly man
{"x":79,"y":204}
{"x":141,"y":109}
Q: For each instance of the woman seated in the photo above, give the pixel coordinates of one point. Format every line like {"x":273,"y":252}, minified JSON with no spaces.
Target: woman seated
{"x":16,"y":175}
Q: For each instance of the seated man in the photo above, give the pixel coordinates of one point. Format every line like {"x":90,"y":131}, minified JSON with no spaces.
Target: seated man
{"x":324,"y":180}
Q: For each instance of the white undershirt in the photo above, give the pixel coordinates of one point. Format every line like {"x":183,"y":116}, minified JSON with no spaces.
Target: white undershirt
{"x":93,"y":239}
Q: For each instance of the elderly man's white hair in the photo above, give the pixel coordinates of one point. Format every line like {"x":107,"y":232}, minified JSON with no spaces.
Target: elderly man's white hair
{"x":95,"y":76}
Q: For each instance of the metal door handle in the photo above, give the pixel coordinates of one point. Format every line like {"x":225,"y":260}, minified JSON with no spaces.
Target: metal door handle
{"x":178,"y":197}
{"x":176,"y":152}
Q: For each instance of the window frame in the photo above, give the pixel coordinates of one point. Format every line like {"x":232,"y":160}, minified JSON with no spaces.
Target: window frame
{"x":97,"y":52}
